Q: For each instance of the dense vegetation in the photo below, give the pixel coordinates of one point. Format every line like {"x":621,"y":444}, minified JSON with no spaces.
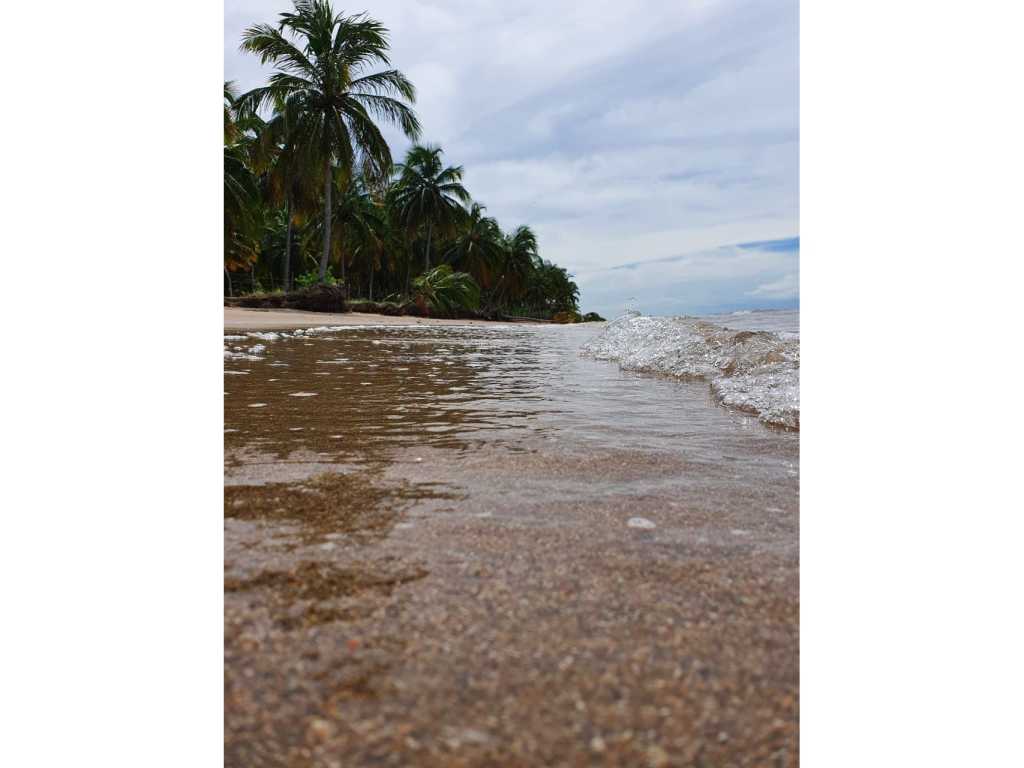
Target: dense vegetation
{"x":312,"y":194}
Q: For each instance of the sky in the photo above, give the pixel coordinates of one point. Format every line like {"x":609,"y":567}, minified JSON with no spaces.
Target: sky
{"x":652,"y":146}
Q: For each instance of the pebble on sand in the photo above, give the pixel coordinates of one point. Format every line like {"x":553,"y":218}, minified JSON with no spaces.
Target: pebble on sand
{"x":657,"y":757}
{"x":640,"y":522}
{"x":319,"y":730}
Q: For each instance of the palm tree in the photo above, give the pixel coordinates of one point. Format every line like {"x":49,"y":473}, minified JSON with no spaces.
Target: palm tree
{"x":479,"y":247}
{"x":552,"y":289}
{"x":443,"y":290}
{"x":430,"y":194}
{"x":242,"y":210}
{"x":291,"y":174}
{"x":322,"y":73}
{"x":359,"y":223}
{"x":230,"y":99}
{"x":521,"y":261}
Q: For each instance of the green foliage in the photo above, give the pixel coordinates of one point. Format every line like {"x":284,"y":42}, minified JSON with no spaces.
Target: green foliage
{"x":243,"y":212}
{"x":321,"y":80}
{"x":479,"y":247}
{"x":312,"y":277}
{"x":552,"y":287}
{"x":428,"y":195}
{"x":312,"y":186}
{"x":358,"y":225}
{"x":442,"y":290}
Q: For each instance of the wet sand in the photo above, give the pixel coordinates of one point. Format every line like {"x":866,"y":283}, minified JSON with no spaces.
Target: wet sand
{"x":239,"y":318}
{"x":407,"y":584}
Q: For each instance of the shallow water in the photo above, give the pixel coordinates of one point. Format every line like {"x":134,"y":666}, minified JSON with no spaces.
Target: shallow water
{"x":358,"y":394}
{"x":750,"y":361}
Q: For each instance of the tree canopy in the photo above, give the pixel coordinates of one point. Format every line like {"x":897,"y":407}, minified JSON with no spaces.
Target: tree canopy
{"x":307,"y":169}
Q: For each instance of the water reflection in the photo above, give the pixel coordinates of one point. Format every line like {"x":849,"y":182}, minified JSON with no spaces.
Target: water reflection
{"x":355,"y":394}
{"x":372,"y":388}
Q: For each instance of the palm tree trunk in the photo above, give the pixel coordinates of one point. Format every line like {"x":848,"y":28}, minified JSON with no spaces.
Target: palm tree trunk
{"x":344,"y":283}
{"x":327,"y":222}
{"x":288,"y":246}
{"x":408,"y":271}
{"x":228,"y":276}
{"x":371,"y":281}
{"x":430,"y":225}
{"x":499,"y":289}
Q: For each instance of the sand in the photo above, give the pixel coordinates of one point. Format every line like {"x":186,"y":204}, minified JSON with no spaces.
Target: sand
{"x":401,"y":595}
{"x":237,"y":319}
{"x":373,"y":620}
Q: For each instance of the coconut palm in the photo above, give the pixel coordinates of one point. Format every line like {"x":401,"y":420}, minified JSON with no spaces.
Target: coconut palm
{"x":230,"y":98}
{"x":520,"y":263}
{"x":429,"y":194}
{"x":322,"y":62}
{"x":359,"y":220}
{"x":551,"y":290}
{"x":380,"y":235}
{"x":479,"y":247}
{"x":442,"y":290}
{"x":242,"y":209}
{"x":291,"y":175}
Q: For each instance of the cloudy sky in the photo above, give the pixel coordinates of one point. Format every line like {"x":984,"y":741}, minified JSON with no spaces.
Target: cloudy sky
{"x":653,"y":146}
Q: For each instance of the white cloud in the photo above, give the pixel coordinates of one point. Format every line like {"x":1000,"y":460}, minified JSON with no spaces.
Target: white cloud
{"x":786,"y":287}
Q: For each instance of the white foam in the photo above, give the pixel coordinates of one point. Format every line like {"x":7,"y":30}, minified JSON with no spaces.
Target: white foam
{"x":230,"y":355}
{"x":303,"y":394}
{"x":754,"y":371}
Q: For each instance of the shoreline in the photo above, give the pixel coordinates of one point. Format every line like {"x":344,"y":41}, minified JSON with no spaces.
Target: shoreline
{"x":246,"y":319}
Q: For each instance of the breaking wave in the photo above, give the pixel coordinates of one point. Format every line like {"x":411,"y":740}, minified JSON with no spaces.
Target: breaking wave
{"x":753,"y":371}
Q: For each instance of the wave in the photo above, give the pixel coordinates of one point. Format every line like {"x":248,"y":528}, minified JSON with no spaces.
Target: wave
{"x":753,"y":371}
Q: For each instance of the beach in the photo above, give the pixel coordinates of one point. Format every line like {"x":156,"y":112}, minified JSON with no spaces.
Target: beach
{"x":466,"y":544}
{"x":238,"y":318}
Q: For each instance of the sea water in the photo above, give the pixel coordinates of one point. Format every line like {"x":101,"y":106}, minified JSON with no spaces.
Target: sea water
{"x":713,"y":389}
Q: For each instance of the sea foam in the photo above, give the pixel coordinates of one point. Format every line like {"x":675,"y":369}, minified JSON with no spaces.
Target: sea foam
{"x":753,"y":371}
